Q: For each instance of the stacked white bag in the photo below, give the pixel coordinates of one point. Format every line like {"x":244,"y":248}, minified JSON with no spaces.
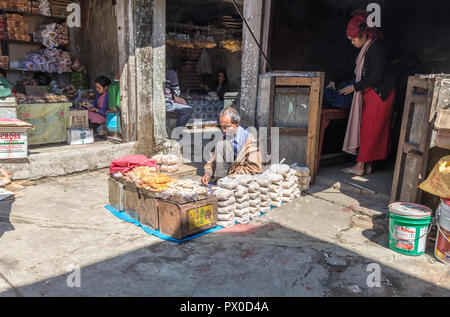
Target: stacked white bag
{"x":274,"y":187}
{"x":264,"y":183}
{"x":242,"y":194}
{"x":290,"y":188}
{"x":304,"y":179}
{"x":227,"y":204}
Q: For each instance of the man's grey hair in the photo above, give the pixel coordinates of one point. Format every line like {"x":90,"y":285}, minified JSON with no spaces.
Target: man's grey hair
{"x":231,"y":113}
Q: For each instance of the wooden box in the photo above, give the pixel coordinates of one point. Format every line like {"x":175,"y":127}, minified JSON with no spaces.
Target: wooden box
{"x":148,"y":209}
{"x":181,"y":221}
{"x":116,"y":194}
{"x":131,"y":200}
{"x":79,"y":119}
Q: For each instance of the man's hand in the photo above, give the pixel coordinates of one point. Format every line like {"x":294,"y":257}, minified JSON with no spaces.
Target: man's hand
{"x":205,"y":179}
{"x":347,"y":90}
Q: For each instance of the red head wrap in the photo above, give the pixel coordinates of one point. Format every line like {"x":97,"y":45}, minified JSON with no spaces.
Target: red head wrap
{"x":358,"y":23}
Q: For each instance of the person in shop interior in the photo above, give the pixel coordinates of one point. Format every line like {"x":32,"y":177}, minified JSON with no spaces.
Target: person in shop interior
{"x":6,"y":88}
{"x":236,"y":154}
{"x":97,"y":112}
{"x":220,"y":86}
{"x":174,"y":103}
{"x":369,"y":126}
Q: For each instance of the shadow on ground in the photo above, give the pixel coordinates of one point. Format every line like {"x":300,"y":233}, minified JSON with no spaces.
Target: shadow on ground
{"x":5,"y":212}
{"x":242,"y":261}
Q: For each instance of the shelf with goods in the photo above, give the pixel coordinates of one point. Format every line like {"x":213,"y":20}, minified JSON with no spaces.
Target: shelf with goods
{"x":23,"y":32}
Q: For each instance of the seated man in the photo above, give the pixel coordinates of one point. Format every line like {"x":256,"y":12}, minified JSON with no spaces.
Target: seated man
{"x":173,"y":101}
{"x":237,"y":154}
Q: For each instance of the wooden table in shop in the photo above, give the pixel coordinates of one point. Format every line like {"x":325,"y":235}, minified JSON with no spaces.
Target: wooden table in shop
{"x":328,"y":115}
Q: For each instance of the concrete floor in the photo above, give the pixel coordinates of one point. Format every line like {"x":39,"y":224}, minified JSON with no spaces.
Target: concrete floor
{"x":311,"y":247}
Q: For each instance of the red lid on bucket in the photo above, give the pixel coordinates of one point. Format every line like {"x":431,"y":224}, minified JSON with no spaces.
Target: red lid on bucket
{"x":410,"y":210}
{"x":446,"y":201}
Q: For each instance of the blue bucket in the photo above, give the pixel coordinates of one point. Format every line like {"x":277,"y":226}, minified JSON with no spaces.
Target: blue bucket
{"x":113,"y":121}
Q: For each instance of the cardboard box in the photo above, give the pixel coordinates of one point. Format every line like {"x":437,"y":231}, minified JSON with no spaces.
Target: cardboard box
{"x":79,"y":119}
{"x":80,"y":136}
{"x":13,"y":142}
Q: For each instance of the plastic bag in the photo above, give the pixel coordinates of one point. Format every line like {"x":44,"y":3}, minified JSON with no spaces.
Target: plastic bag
{"x":274,"y":177}
{"x":262,"y":180}
{"x":227,"y":210}
{"x":281,"y":169}
{"x":227,"y":183}
{"x":243,"y":205}
{"x":255,"y":214}
{"x":287,"y":185}
{"x":301,"y":171}
{"x":242,"y":212}
{"x":242,"y":199}
{"x":243,"y":220}
{"x":254,"y":196}
{"x":5,"y":178}
{"x":204,"y":65}
{"x":277,"y":204}
{"x":169,"y":159}
{"x":254,"y":188}
{"x":438,"y":182}
{"x":240,"y":191}
{"x":222,"y":193}
{"x":264,"y":191}
{"x":306,"y":180}
{"x":226,"y":217}
{"x":228,"y":202}
{"x":243,"y":180}
{"x":254,"y":203}
{"x":169,"y":168}
{"x":226,"y":224}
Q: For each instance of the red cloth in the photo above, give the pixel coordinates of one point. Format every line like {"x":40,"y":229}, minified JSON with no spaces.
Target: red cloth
{"x":127,"y":163}
{"x":375,"y":126}
{"x":358,"y":21}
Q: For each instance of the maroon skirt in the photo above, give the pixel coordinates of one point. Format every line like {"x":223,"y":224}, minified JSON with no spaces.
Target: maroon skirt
{"x":375,"y":126}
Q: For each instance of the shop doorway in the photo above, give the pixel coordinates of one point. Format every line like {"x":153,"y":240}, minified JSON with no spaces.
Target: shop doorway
{"x":204,"y":48}
{"x":305,"y":32}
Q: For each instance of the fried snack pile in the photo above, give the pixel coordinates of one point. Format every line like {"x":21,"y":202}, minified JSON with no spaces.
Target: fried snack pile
{"x":147,"y":178}
{"x":232,"y":45}
{"x":187,"y":187}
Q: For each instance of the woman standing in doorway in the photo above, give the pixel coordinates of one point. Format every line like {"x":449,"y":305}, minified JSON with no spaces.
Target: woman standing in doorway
{"x":369,"y":124}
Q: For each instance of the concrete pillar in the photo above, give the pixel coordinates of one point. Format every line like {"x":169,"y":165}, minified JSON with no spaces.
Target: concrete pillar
{"x":144,"y":75}
{"x":253,"y":13}
{"x":159,"y":70}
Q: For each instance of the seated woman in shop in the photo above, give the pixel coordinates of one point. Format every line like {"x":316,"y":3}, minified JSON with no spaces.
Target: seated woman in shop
{"x":97,"y":113}
{"x":220,"y":86}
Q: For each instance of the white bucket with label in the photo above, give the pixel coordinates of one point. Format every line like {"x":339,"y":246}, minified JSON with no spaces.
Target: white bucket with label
{"x":442,"y":247}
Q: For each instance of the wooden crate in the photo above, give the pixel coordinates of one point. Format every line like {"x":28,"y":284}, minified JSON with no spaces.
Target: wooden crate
{"x":116,"y":194}
{"x":425,"y":95}
{"x":131,"y":200}
{"x":148,"y":209}
{"x":181,"y":221}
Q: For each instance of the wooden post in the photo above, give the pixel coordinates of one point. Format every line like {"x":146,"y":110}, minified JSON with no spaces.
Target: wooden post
{"x":124,"y":51}
{"x":266,"y":32}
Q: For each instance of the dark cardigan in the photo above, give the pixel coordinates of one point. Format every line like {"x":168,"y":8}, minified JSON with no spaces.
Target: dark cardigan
{"x":376,"y":72}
